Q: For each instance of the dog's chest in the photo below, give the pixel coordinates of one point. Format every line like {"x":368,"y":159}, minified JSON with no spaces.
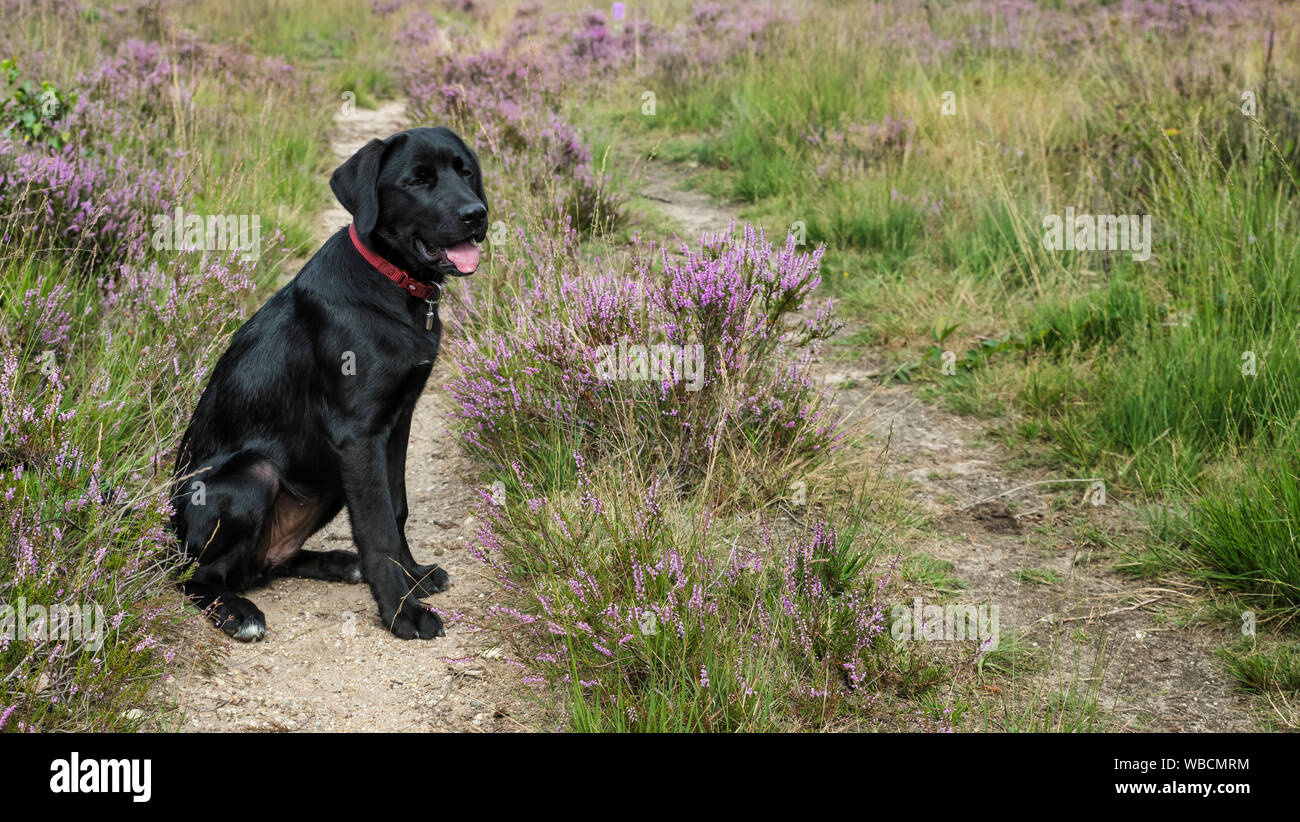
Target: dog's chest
{"x":424,"y":349}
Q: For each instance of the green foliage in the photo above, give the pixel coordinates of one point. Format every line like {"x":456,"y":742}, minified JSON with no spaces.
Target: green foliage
{"x":33,"y":115}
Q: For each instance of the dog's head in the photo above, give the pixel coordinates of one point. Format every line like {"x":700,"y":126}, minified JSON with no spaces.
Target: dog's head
{"x":417,"y":198}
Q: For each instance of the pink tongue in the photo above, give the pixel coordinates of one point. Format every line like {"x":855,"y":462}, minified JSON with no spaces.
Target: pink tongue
{"x":464,"y":257}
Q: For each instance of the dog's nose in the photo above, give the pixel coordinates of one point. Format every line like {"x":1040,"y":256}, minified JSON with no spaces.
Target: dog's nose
{"x":472,"y":214}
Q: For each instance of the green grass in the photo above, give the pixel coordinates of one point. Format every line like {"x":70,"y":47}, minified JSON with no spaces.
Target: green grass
{"x":1038,"y":576}
{"x":1035,"y":696}
{"x":1015,"y":656}
{"x":1246,"y":530}
{"x":1265,"y":670}
{"x":931,"y":573}
{"x":302,"y":31}
{"x":91,"y":415}
{"x":1158,"y":376}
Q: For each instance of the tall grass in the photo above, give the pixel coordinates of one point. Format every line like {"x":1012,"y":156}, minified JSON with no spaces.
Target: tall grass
{"x":648,"y":615}
{"x":925,"y":149}
{"x":636,"y":592}
{"x":105,"y":340}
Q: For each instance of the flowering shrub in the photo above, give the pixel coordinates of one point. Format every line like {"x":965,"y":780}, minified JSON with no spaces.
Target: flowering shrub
{"x":89,"y":208}
{"x":509,"y":104}
{"x":510,"y":99}
{"x":123,"y":128}
{"x":627,"y":602}
{"x":87,"y":198}
{"x":857,"y":148}
{"x":589,"y":45}
{"x":530,"y":366}
{"x":138,"y":72}
{"x":79,"y":368}
{"x":713,"y":36}
{"x":104,"y":348}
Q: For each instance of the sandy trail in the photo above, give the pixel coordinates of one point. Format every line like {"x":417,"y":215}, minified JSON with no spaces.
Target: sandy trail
{"x":997,"y":526}
{"x":327,"y":663}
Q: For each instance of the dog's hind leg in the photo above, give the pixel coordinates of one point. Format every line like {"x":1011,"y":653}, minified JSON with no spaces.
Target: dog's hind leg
{"x":237,"y":616}
{"x":331,"y":566}
{"x":221,"y":531}
{"x":294,"y":524}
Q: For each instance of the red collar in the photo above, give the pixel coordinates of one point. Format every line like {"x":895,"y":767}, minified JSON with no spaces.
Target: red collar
{"x":425,"y":291}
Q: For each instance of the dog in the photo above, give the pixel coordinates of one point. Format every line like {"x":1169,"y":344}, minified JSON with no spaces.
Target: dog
{"x":309,"y":409}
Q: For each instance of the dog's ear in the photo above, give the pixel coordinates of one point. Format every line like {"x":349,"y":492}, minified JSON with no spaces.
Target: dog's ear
{"x":478,"y":169}
{"x":356,"y":184}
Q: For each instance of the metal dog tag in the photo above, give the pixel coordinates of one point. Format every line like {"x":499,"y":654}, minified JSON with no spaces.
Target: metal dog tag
{"x":437,"y":298}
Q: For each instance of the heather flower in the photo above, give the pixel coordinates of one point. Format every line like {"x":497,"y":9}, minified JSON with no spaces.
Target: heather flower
{"x":815,"y":608}
{"x":90,"y":208}
{"x":78,"y":528}
{"x":534,"y":372}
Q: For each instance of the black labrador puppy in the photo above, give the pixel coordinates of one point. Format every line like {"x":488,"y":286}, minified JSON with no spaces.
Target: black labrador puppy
{"x":310,"y":407}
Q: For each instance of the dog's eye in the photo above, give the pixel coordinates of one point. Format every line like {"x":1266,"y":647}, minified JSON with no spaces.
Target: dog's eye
{"x":465,"y":172}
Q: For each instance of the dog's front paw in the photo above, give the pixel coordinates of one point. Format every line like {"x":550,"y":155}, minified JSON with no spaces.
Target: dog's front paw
{"x":427,"y":580}
{"x":413,"y":621}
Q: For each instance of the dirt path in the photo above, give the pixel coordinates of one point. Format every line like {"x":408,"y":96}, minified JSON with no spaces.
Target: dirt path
{"x":1020,"y":541}
{"x":694,"y":213}
{"x":1026,"y":549}
{"x":327,"y":664}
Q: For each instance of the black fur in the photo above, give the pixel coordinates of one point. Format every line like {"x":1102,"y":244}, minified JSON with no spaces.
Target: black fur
{"x":283,"y":437}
